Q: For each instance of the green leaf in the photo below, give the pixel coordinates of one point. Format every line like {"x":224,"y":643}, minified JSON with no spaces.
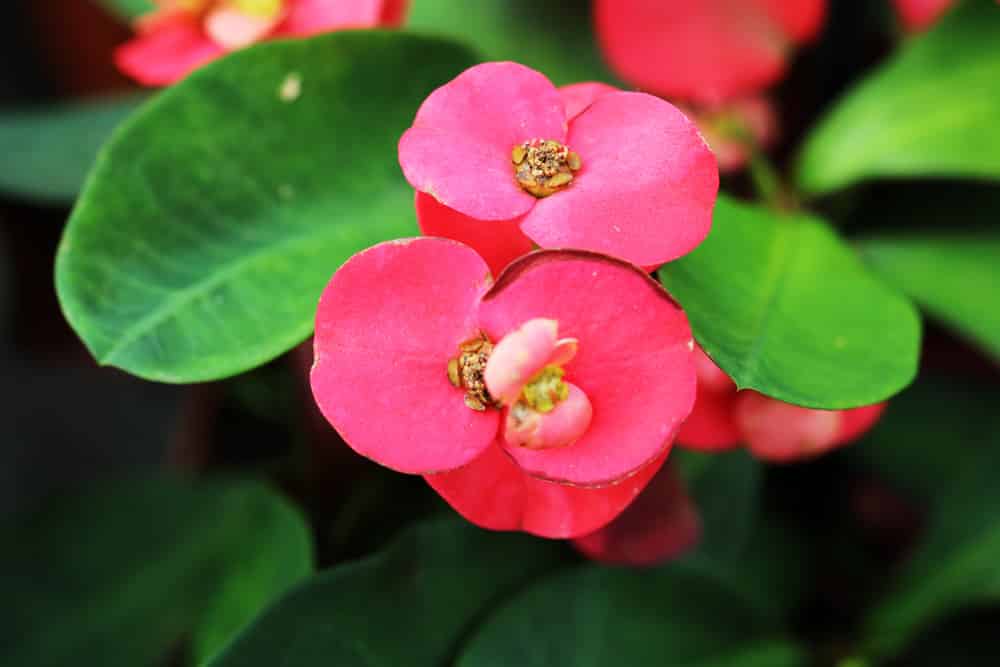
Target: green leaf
{"x":930,"y":111}
{"x":954,"y":568}
{"x":48,"y":152}
{"x":214,"y":218}
{"x":554,"y":38}
{"x":673,"y":615}
{"x":128,"y":9}
{"x":954,"y":278}
{"x":120,"y":576}
{"x":408,"y":605}
{"x":785,"y":308}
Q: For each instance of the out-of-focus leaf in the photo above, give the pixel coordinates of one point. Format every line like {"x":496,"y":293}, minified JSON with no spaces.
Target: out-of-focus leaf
{"x":955,"y":278}
{"x":785,"y":308}
{"x":409,"y":605}
{"x":955,"y":566}
{"x":48,"y":152}
{"x":930,"y":111}
{"x":554,"y":38}
{"x":128,"y":9}
{"x":673,"y":615}
{"x":117,"y":577}
{"x":214,"y":218}
{"x":965,"y":640}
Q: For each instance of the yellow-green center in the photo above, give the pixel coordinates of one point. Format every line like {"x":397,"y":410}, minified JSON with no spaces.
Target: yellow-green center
{"x":546,"y":390}
{"x":544,"y":166}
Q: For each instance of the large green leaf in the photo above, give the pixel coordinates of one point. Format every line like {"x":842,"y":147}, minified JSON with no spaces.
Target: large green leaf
{"x":554,"y":38}
{"x":930,"y":111}
{"x":955,"y":567}
{"x":953,"y":277}
{"x":118,"y":577}
{"x":784,"y":307}
{"x":48,"y":152}
{"x":408,"y":605}
{"x":673,"y":615}
{"x":216,"y":215}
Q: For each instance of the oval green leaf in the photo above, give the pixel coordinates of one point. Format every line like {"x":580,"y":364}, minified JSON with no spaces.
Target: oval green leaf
{"x":408,"y":605}
{"x":931,"y":110}
{"x":593,"y":616}
{"x":214,"y":218}
{"x":954,"y":278}
{"x":48,"y":152}
{"x":118,"y":577}
{"x":785,"y":308}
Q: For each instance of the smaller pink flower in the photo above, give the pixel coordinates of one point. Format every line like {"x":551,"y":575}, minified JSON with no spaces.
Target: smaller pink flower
{"x":660,"y":525}
{"x":502,"y":159}
{"x":919,"y":15}
{"x":182,"y":35}
{"x":704,"y":51}
{"x":771,"y":429}
{"x":736,"y":129}
{"x":544,"y":402}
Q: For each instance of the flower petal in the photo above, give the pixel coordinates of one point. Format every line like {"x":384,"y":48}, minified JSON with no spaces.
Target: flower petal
{"x":386,"y":326}
{"x":858,"y":421}
{"x":494,"y":493}
{"x":661,"y":524}
{"x":634,"y":358}
{"x":518,"y":356}
{"x":499,"y":242}
{"x":781,"y":432}
{"x":578,"y":96}
{"x":646,"y":189}
{"x":708,"y":51}
{"x":712,"y":426}
{"x":459,"y":148}
{"x":167,"y":52}
{"x":310,"y":17}
{"x":918,"y":15}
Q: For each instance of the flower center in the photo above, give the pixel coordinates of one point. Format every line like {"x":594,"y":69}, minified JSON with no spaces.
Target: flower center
{"x":546,"y":390}
{"x":466,"y":372}
{"x":544,"y":166}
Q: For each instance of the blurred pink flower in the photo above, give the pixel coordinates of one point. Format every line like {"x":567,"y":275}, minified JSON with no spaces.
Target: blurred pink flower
{"x":544,"y":402}
{"x":182,"y":35}
{"x":772,"y":430}
{"x":500,"y":158}
{"x":918,"y":15}
{"x":704,"y":51}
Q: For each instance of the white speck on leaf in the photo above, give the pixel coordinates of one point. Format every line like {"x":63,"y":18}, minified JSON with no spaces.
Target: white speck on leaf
{"x":840,"y":342}
{"x":291,"y":87}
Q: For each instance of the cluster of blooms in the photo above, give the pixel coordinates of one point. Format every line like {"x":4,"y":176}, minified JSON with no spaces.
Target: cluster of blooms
{"x":546,"y":399}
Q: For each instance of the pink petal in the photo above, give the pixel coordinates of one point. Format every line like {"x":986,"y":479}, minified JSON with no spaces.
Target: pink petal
{"x":781,"y":432}
{"x":578,"y":96}
{"x":711,"y":377}
{"x":459,"y":148}
{"x":492,"y":492}
{"x":646,"y":189}
{"x":499,"y":242}
{"x":233,"y":29}
{"x":167,"y":52}
{"x":518,"y":357}
{"x":634,"y":359}
{"x":707,"y":51}
{"x":310,"y":17}
{"x":918,"y":15}
{"x":712,"y":425}
{"x":734,"y":129}
{"x":855,"y":423}
{"x":661,"y":524}
{"x":387,"y":324}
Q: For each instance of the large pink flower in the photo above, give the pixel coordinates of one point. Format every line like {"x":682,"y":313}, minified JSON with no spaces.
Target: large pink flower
{"x":500,"y":158}
{"x":182,"y":35}
{"x":704,"y":51}
{"x":543,"y":402}
{"x":772,"y":430}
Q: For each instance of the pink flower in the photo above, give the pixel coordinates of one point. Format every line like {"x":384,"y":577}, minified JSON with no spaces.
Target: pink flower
{"x":704,"y":51}
{"x":736,"y":129}
{"x":771,"y":429}
{"x":661,"y":524}
{"x":501,"y":159}
{"x":182,"y":35}
{"x":918,"y":15}
{"x":544,"y":402}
